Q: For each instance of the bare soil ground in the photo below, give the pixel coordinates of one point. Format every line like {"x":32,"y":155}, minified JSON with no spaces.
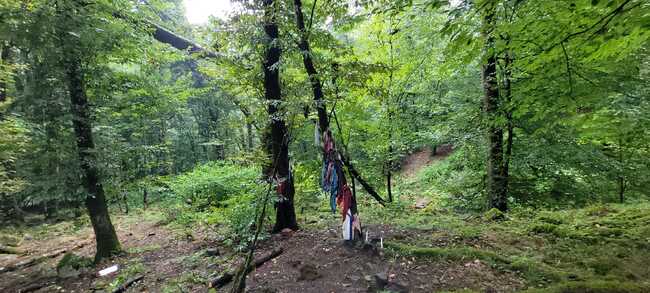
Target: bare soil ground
{"x":414,"y":162}
{"x":313,"y":261}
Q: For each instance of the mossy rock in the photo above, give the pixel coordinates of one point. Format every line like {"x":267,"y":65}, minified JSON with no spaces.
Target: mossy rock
{"x":600,"y":210}
{"x":543,"y":228}
{"x":550,"y":218}
{"x":602,"y":266}
{"x":10,"y":240}
{"x":74,"y":261}
{"x":494,"y":215}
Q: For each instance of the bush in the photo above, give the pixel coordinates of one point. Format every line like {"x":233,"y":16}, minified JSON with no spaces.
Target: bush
{"x":208,"y":185}
{"x":220,"y":194}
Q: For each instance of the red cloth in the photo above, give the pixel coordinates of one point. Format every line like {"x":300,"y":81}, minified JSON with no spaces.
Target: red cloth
{"x":344,"y":199}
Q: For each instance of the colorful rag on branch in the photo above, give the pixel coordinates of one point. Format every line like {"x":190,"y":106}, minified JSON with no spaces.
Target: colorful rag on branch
{"x":333,"y":181}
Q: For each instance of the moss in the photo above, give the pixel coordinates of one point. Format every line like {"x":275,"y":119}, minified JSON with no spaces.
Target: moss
{"x":543,"y":228}
{"x":494,"y":215}
{"x":10,"y":240}
{"x":535,"y":271}
{"x":446,"y":253}
{"x":594,"y":287}
{"x":129,"y":270}
{"x":603,"y":265}
{"x":74,"y":261}
{"x":144,"y":248}
{"x":550,"y":218}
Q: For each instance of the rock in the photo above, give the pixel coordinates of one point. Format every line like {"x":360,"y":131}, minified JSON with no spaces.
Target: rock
{"x":381,"y":280}
{"x":308,"y":272}
{"x":212,"y":252}
{"x":494,"y":215}
{"x":68,"y":272}
{"x":490,"y":290}
{"x":395,"y":287}
{"x":286,"y":232}
{"x":422,"y":202}
{"x":370,"y":249}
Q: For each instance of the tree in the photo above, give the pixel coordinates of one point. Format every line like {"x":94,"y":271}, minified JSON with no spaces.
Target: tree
{"x":277,"y":135}
{"x":496,"y":183}
{"x":105,"y":237}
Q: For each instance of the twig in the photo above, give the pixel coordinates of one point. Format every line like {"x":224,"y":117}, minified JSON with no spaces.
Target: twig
{"x":606,"y":18}
{"x":568,"y":70}
{"x":127,"y":284}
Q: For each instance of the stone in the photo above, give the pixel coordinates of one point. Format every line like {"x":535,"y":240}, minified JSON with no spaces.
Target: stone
{"x":308,"y":272}
{"x":286,"y":232}
{"x":381,"y":280}
{"x":212,"y":252}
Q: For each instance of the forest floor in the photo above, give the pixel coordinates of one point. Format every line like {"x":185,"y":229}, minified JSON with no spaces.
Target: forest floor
{"x":601,"y":248}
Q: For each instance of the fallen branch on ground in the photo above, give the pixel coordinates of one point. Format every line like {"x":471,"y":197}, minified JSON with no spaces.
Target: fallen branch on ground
{"x":127,"y":284}
{"x":10,"y":250}
{"x":228,"y":276}
{"x":35,"y":287}
{"x":39,"y":259}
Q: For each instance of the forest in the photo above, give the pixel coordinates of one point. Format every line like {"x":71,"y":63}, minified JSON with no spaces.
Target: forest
{"x":325,"y":146}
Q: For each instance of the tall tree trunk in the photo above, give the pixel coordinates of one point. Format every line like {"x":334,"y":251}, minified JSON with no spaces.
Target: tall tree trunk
{"x":621,"y":176}
{"x":107,"y":242}
{"x":4,"y":58}
{"x":496,"y":185}
{"x":319,"y":99}
{"x":249,"y":136}
{"x":507,"y":87}
{"x":277,"y":137}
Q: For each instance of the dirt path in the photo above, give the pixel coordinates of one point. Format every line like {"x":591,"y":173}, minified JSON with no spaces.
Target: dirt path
{"x":414,"y":162}
{"x":320,"y":262}
{"x":313,"y":261}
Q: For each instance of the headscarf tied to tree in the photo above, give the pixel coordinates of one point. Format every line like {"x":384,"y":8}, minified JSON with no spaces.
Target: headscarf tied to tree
{"x":333,"y":181}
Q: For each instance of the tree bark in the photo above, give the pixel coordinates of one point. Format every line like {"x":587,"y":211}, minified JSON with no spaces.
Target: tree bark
{"x":277,"y":136}
{"x":507,"y":87}
{"x":621,"y":177}
{"x":4,"y":57}
{"x":496,"y":184}
{"x":106,"y":239}
{"x":317,"y":89}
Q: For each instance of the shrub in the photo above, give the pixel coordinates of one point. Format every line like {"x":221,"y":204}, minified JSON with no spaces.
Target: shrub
{"x":207,"y":185}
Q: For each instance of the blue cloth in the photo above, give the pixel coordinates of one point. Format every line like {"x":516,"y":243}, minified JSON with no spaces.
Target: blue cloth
{"x":323,"y":174}
{"x":333,"y":188}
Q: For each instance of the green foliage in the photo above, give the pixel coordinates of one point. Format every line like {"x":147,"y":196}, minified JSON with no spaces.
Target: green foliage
{"x":494,"y":215}
{"x":74,"y":261}
{"x":600,"y":286}
{"x":129,"y":270}
{"x":209,"y":185}
{"x":222,"y":195}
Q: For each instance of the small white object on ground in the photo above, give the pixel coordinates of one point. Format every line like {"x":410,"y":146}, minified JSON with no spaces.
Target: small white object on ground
{"x":108,"y":270}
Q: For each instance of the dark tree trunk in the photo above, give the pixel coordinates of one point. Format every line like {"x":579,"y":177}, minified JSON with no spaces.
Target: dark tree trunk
{"x":389,"y":171}
{"x":496,"y":184}
{"x":621,"y":177}
{"x":249,"y":135}
{"x":145,"y":201}
{"x":319,"y":99}
{"x":4,"y":57}
{"x":507,"y":87}
{"x":277,"y":139}
{"x":107,"y":242}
